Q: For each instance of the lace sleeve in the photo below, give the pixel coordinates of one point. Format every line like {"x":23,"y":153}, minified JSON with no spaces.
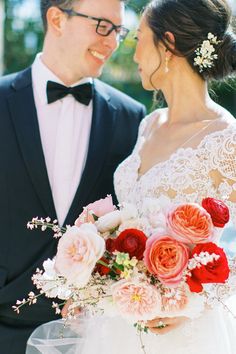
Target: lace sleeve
{"x":221,"y":151}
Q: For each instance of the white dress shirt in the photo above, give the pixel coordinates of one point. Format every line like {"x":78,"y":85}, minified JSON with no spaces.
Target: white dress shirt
{"x":64,"y":129}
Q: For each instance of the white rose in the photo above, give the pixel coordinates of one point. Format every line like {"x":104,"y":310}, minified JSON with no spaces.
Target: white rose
{"x":131,"y":224}
{"x":155,"y":210}
{"x":128,"y":211}
{"x":109,"y":221}
{"x":49,"y":268}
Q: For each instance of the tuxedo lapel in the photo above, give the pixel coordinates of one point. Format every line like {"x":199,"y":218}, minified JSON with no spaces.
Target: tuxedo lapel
{"x":24,"y":118}
{"x":103,"y":123}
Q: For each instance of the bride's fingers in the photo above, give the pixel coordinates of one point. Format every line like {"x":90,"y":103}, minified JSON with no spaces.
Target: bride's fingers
{"x":164,"y":325}
{"x":162,"y":321}
{"x":154,"y":322}
{"x":160,"y":330}
{"x":65,"y":309}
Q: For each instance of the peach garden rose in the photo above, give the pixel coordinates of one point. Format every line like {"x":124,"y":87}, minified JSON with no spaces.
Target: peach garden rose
{"x":191,"y":224}
{"x":175,"y":299}
{"x":136,"y":300}
{"x":166,"y":258}
{"x":78,"y":251}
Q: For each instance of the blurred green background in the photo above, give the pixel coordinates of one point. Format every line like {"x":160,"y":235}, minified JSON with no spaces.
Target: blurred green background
{"x":23,"y":37}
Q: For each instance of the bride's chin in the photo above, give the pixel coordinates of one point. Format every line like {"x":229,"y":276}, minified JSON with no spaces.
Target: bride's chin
{"x":148,"y":87}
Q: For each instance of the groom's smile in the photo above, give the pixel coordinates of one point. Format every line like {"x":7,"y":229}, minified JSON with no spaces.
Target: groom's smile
{"x":82,"y":38}
{"x":101,"y":58}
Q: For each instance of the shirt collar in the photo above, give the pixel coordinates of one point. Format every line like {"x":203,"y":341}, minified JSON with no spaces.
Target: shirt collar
{"x":41,"y":74}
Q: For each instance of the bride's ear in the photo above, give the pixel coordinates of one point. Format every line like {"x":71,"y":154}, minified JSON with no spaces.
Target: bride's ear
{"x":170,"y":39}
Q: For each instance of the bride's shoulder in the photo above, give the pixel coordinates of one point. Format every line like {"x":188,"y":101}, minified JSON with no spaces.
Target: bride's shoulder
{"x":220,"y":134}
{"x":224,"y":123}
{"x":156,"y":117}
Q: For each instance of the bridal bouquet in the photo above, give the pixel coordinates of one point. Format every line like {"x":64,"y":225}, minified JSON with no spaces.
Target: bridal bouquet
{"x":160,"y":261}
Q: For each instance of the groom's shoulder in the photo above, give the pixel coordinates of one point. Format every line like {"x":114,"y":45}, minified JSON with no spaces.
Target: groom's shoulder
{"x":14,"y":80}
{"x":6,"y":82}
{"x":116,"y":97}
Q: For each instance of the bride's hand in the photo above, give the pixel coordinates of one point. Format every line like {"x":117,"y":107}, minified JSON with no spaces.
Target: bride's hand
{"x":65,"y":309}
{"x":162,"y":325}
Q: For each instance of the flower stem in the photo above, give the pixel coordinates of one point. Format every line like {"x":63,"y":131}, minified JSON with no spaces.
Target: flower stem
{"x":141,"y":342}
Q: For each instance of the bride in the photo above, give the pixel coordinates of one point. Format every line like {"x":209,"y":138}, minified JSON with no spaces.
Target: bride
{"x":184,"y":152}
{"x":188,"y":150}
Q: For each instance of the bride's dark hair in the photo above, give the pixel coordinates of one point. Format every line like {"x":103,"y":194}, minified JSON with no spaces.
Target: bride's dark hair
{"x":190,"y":22}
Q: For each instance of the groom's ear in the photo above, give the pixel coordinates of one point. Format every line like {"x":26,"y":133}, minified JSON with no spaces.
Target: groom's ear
{"x":55,"y":20}
{"x":170,"y":39}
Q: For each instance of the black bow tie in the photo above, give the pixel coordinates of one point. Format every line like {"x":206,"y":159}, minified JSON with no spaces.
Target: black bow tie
{"x":82,"y":93}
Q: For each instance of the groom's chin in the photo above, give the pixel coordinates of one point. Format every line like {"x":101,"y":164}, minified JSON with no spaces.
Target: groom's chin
{"x":97,"y":72}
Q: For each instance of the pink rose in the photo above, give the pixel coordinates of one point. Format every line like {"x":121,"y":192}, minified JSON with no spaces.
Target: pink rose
{"x":136,"y":300}
{"x":78,"y":251}
{"x":190,"y":223}
{"x":98,"y":208}
{"x":166,"y":258}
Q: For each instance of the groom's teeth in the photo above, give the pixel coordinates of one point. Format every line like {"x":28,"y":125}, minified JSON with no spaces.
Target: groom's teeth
{"x":98,"y":55}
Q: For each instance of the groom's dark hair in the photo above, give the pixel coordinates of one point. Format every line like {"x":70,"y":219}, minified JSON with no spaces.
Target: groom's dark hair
{"x":65,"y":4}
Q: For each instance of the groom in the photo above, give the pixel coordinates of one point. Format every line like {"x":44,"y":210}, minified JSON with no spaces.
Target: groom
{"x":60,"y":145}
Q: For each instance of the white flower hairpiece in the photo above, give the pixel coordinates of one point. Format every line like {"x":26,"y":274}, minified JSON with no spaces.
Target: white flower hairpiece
{"x":205,"y":55}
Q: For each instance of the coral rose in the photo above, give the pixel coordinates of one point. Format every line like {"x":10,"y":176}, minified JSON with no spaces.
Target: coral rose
{"x":136,"y":300}
{"x":190,"y":223}
{"x":166,"y":258}
{"x":78,"y":251}
{"x":216,"y":270}
{"x":218,"y":210}
{"x":131,"y":241}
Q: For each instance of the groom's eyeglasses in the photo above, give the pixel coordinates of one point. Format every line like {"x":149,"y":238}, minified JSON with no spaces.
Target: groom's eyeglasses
{"x":104,"y":27}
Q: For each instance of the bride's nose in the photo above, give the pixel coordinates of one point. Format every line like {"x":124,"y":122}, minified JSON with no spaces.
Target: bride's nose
{"x":135,"y":57}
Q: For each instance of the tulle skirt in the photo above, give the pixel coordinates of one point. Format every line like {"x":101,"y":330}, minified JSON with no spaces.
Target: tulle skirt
{"x":212,"y":333}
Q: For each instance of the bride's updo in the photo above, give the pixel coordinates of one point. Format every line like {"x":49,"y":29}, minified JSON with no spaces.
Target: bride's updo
{"x":192,"y":22}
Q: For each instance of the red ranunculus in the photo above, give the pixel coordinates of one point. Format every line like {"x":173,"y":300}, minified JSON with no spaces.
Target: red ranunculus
{"x":218,"y":210}
{"x":131,"y":241}
{"x":216,"y":271}
{"x":101,"y":269}
{"x":110,"y":245}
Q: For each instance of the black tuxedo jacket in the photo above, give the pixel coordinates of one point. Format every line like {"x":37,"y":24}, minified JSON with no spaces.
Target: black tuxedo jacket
{"x":24,"y":185}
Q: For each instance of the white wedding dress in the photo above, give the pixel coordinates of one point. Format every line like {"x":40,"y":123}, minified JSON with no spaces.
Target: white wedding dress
{"x":185,"y":177}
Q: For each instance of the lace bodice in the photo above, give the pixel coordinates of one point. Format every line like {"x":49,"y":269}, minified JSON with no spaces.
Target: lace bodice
{"x":209,"y":169}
